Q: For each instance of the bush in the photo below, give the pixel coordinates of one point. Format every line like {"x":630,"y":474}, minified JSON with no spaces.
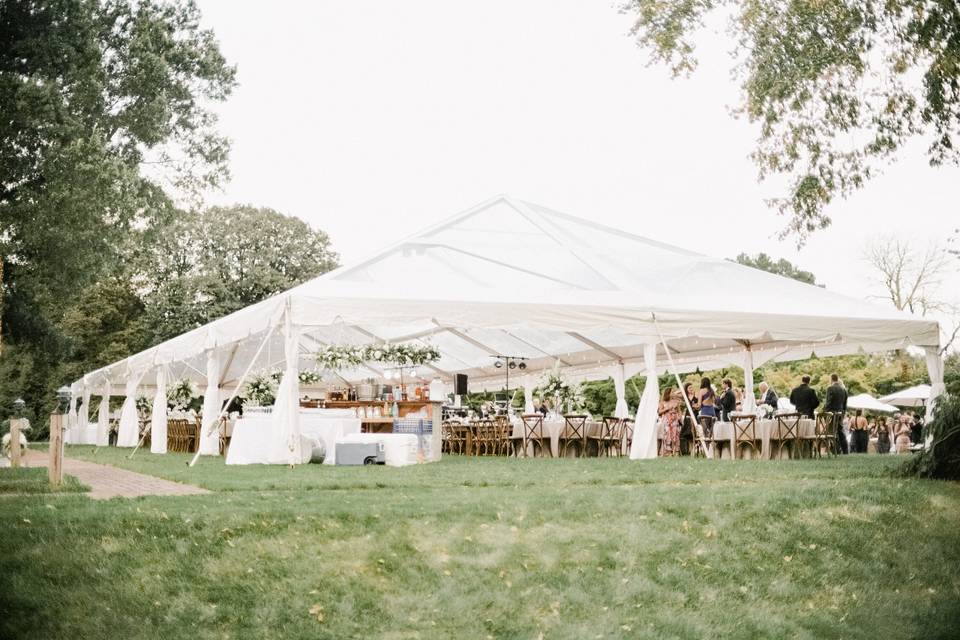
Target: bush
{"x":942,"y":459}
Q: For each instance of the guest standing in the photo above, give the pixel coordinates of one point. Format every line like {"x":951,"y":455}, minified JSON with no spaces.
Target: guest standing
{"x":804,"y":398}
{"x":669,"y":412}
{"x":708,"y":412}
{"x":686,"y":427}
{"x":836,"y":402}
{"x":859,"y":433}
{"x":728,"y":401}
{"x":883,"y":436}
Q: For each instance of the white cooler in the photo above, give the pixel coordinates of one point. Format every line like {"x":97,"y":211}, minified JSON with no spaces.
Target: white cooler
{"x":399,"y":449}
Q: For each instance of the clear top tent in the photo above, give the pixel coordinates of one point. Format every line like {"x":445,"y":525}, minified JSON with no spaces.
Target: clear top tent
{"x":508,"y":277}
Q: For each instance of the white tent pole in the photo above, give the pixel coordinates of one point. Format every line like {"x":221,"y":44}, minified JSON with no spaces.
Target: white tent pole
{"x":686,"y":400}
{"x":236,"y":390}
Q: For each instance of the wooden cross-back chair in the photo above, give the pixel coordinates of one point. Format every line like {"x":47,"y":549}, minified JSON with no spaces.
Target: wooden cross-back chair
{"x":575,"y":434}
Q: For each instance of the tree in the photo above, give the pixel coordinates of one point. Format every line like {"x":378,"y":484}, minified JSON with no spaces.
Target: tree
{"x":780,"y":267}
{"x":210,"y":264}
{"x":105,"y":103}
{"x":838,"y":87}
{"x":910,"y":276}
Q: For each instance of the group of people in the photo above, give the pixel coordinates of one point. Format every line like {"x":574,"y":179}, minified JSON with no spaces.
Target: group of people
{"x":709,"y":406}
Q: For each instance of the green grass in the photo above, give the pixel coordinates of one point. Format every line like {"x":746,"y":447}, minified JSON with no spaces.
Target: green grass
{"x":491,"y":548}
{"x":32,"y":481}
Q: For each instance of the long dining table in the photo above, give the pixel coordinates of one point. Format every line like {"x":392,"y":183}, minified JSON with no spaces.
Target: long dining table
{"x":767,"y":430}
{"x":554,"y":429}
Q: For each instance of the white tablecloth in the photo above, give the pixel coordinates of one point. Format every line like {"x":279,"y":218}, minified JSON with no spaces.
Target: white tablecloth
{"x":553,"y":428}
{"x":250,"y":443}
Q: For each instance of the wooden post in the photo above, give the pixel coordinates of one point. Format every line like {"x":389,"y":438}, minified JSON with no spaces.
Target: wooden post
{"x":55,"y":470}
{"x":15,"y":442}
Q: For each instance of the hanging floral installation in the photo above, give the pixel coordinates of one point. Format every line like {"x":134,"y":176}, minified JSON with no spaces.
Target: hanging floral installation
{"x":305,"y":377}
{"x":335,"y":358}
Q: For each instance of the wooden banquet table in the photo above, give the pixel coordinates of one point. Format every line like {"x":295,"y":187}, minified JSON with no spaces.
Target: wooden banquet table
{"x":553,"y":428}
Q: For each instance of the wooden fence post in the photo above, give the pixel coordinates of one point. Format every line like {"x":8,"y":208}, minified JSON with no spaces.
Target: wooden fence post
{"x":14,"y":442}
{"x":55,"y":469}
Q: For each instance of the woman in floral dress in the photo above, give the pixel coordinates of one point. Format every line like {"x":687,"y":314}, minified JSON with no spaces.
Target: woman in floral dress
{"x":669,"y":411}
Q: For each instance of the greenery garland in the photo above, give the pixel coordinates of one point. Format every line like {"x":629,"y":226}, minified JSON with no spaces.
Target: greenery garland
{"x":335,"y":357}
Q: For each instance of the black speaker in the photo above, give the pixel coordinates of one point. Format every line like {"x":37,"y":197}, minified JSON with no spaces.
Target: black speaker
{"x":460,"y":384}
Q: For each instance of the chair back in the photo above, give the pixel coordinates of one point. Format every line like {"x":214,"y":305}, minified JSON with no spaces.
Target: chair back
{"x":628,"y":430}
{"x":611,"y":427}
{"x":744,"y":428}
{"x":788,"y":426}
{"x":532,"y":425}
{"x":575,"y":427}
{"x":826,"y":425}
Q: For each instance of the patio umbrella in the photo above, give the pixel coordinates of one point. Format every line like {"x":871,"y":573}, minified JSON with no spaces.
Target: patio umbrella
{"x":867,"y":402}
{"x":917,"y":396}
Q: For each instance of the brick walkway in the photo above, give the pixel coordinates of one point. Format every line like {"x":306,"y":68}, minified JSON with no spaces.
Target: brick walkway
{"x":110,"y":482}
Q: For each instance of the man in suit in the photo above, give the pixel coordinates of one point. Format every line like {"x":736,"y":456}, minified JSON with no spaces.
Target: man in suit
{"x":804,"y":398}
{"x":728,"y":401}
{"x":836,"y":402}
{"x":768,"y":396}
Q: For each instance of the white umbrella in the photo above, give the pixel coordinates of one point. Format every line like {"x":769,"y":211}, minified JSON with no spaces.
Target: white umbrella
{"x":867,"y":402}
{"x":917,"y":396}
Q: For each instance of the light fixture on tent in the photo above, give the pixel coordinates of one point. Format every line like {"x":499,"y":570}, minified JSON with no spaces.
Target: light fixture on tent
{"x":511,"y":362}
{"x":498,"y":364}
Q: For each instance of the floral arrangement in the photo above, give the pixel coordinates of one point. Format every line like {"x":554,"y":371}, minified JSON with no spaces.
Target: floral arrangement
{"x":305,"y":377}
{"x":261,"y":390}
{"x":565,"y":395}
{"x":336,"y":357}
{"x":180,"y":394}
{"x":765,"y":411}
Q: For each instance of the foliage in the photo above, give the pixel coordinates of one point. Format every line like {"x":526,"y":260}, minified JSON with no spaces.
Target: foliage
{"x":941,"y":460}
{"x":336,"y":357}
{"x":555,"y":389}
{"x":303,"y":377}
{"x":206,"y":265}
{"x":181,"y":394}
{"x":780,"y":267}
{"x":951,"y":374}
{"x":663,"y":545}
{"x":837,"y":87}
{"x":260,"y":390}
{"x":34,"y":481}
{"x":102,"y":103}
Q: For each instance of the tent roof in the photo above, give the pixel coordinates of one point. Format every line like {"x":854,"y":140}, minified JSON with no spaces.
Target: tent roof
{"x":910,"y":397}
{"x":867,"y":402}
{"x":514,"y":278}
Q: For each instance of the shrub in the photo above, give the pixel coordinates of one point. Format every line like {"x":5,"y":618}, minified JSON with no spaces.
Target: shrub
{"x":942,"y":458}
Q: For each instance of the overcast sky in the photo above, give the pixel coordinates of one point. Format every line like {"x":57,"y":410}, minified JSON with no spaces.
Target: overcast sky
{"x":371,"y":120}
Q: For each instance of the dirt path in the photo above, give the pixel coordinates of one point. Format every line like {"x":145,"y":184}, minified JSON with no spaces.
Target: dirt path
{"x":110,"y":482}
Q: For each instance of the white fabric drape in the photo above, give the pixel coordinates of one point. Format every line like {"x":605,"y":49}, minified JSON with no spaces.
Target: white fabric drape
{"x":158,"y":417}
{"x":528,"y":384}
{"x":620,"y":388}
{"x":70,"y":437}
{"x":645,"y":427}
{"x":103,"y":416}
{"x":285,"y":418}
{"x":129,"y":430}
{"x":83,"y":416}
{"x":210,"y":442}
{"x":749,"y":401}
{"x":937,"y":388}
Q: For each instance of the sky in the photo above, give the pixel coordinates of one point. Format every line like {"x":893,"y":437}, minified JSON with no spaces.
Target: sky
{"x":372,"y":120}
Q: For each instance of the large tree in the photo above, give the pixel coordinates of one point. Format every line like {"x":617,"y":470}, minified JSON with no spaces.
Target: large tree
{"x":838,"y":87}
{"x":105,"y":105}
{"x":223,"y":259}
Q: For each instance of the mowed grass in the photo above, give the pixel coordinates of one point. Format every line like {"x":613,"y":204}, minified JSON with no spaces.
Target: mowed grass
{"x":30,"y":481}
{"x":477,"y":548}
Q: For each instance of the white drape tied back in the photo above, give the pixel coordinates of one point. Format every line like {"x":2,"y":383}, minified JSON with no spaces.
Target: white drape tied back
{"x":645,"y":426}
{"x":285,"y":419}
{"x":158,"y":417}
{"x":103,"y":416}
{"x":210,"y":442}
{"x":620,"y":388}
{"x":937,"y":387}
{"x":83,"y":416}
{"x":749,"y":402}
{"x":70,"y":437}
{"x":129,"y":430}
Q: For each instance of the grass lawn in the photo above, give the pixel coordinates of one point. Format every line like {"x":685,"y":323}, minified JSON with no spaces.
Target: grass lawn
{"x":476,"y":548}
{"x":24,"y":480}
